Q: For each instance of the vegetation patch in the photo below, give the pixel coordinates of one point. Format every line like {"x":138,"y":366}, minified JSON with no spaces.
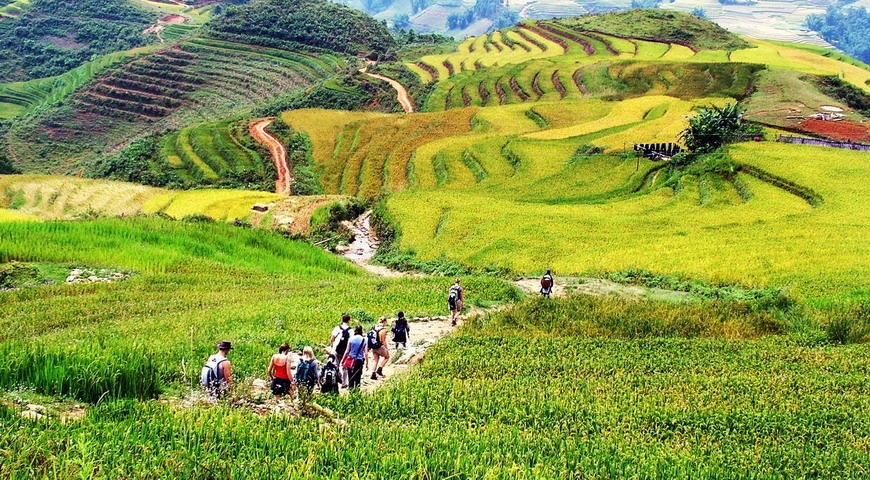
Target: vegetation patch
{"x":660,"y":25}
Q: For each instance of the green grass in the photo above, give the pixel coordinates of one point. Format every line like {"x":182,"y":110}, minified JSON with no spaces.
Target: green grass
{"x":196,"y":283}
{"x":507,"y":400}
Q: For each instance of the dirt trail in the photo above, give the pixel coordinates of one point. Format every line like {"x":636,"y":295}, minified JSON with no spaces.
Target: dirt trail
{"x":364,"y":246}
{"x":257,"y":129}
{"x":401,"y":92}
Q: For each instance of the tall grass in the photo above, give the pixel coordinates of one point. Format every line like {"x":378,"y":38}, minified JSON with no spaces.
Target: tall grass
{"x":87,"y":373}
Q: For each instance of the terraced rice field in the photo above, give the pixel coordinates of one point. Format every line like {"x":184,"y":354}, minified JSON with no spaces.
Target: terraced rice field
{"x":214,"y":150}
{"x":367,"y":154}
{"x":199,"y":79}
{"x":544,"y":60}
{"x":19,"y":97}
{"x":604,"y":213}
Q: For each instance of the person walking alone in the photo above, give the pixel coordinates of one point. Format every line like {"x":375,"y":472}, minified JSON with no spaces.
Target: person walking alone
{"x":547,"y":284}
{"x":455,"y":300}
{"x":216,"y":376}
{"x":356,"y":357}
{"x":377,"y":343}
{"x":338,"y":340}
{"x":400,"y":331}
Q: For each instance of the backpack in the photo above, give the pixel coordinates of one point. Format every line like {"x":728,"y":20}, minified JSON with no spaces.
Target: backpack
{"x":345,"y":337}
{"x":211,"y":372}
{"x":547,"y":282}
{"x":329,"y":377}
{"x":454,"y":294}
{"x":374,"y":339}
{"x":303,"y":373}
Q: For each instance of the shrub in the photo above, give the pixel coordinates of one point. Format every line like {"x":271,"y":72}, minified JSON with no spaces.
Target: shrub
{"x":715,"y":126}
{"x":848,"y":324}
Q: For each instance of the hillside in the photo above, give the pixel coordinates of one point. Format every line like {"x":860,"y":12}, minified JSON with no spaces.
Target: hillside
{"x":709,"y":313}
{"x":50,"y":37}
{"x":313,"y":23}
{"x":203,"y":77}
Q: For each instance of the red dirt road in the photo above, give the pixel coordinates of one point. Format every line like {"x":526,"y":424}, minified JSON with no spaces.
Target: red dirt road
{"x":401,"y":92}
{"x":257,"y":129}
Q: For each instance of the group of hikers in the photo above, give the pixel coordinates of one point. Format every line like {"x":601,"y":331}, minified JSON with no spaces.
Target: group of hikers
{"x":349,"y":353}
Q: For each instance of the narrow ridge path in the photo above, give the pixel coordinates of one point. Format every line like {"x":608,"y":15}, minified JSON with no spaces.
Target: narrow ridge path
{"x":257,"y":129}
{"x":401,"y":92}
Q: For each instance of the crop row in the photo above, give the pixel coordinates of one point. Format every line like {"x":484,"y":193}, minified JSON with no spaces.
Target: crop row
{"x":549,"y":79}
{"x":210,"y":151}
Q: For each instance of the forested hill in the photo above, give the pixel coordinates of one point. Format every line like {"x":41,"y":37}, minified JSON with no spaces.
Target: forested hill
{"x":313,"y":23}
{"x":54,"y":36}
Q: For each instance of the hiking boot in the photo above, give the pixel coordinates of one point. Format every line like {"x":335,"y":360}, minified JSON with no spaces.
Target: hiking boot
{"x":381,"y":372}
{"x":374,"y":376}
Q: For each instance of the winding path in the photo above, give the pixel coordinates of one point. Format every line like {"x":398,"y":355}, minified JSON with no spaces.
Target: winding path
{"x":401,"y":92}
{"x":257,"y":129}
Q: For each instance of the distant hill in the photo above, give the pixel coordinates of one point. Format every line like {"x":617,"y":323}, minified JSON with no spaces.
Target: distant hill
{"x":312,"y":23}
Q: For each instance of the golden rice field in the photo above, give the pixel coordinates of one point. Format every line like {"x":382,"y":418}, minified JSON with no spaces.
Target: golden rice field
{"x":570,"y":217}
{"x":34,"y":197}
{"x":368,"y":154}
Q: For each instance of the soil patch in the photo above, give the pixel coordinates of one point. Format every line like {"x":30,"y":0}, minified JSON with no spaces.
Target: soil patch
{"x":174,"y":19}
{"x":842,"y":130}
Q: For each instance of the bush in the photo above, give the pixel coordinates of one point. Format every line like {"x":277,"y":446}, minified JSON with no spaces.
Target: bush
{"x":715,"y":126}
{"x":848,"y":324}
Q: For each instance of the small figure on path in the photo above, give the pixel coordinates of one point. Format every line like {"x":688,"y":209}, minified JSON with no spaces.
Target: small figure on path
{"x":338,"y":340}
{"x":401,"y":331}
{"x":355,"y":357}
{"x":279,"y":371}
{"x":455,"y":300}
{"x":547,"y":284}
{"x":216,"y":375}
{"x":377,"y":344}
{"x":329,"y":376}
{"x":307,"y":372}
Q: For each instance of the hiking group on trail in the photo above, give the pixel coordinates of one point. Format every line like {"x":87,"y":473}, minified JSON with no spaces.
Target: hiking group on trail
{"x":350,"y":351}
{"x":348,"y":355}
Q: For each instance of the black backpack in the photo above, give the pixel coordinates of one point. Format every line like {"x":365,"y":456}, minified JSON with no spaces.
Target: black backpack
{"x":329,"y":377}
{"x":345,"y":337}
{"x":375,"y":339}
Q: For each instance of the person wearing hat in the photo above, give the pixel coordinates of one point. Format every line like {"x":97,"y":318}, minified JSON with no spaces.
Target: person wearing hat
{"x":217,"y":372}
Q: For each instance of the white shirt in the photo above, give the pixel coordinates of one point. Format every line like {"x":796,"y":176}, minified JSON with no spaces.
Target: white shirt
{"x":336,"y":335}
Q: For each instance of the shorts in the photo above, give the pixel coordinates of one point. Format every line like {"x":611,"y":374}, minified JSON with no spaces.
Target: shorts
{"x":455,"y":306}
{"x":383,"y":351}
{"x":281,"y":386}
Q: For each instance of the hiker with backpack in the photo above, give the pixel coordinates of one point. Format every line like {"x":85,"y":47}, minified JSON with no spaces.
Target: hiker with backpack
{"x":280,"y":371}
{"x":307,"y":371}
{"x":329,"y":376}
{"x":547,"y":284}
{"x":377,"y":344}
{"x":355,"y":357}
{"x":339,"y":340}
{"x":400,"y":331}
{"x":455,"y":300}
{"x":216,"y":376}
